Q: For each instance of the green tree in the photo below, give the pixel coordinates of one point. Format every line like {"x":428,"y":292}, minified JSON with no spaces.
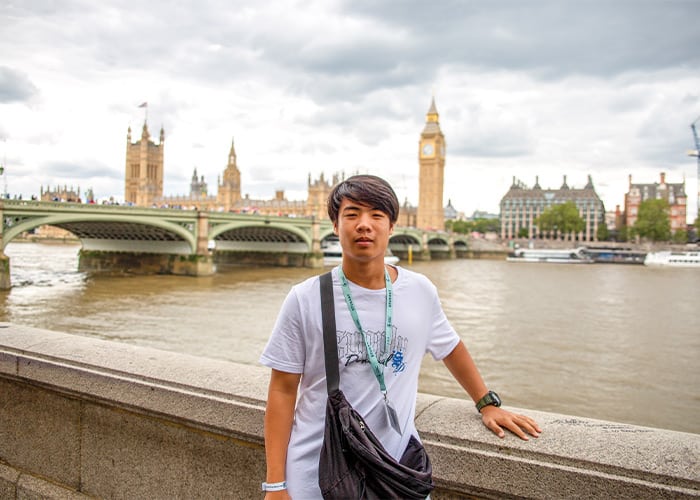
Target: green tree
{"x":680,"y":236}
{"x":523,"y":232}
{"x":461,"y":226}
{"x":653,"y":222}
{"x":563,"y":218}
{"x":623,"y":233}
{"x":603,"y":233}
{"x":479,"y":225}
{"x":484,"y":226}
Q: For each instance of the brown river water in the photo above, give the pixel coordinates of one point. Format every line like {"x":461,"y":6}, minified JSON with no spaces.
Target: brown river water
{"x":612,"y":342}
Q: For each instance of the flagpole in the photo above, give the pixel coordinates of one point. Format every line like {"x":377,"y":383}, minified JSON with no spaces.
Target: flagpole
{"x":145,"y":106}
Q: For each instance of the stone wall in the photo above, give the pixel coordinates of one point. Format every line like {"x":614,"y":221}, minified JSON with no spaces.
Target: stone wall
{"x":81,"y":418}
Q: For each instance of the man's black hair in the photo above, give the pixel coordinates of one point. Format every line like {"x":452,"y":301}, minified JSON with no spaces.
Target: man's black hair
{"x":368,"y":190}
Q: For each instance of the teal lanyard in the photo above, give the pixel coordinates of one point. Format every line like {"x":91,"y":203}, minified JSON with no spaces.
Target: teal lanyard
{"x":377,"y":367}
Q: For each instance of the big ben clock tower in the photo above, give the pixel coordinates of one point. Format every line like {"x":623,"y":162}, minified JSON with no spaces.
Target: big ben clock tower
{"x":431,"y":158}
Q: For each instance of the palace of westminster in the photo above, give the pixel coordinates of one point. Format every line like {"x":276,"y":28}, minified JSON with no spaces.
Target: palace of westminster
{"x":519,"y":207}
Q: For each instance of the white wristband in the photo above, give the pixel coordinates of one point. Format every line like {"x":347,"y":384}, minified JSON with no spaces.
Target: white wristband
{"x":274,"y":486}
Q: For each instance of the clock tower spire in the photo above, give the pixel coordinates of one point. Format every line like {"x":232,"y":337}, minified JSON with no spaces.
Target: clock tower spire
{"x":431,"y":160}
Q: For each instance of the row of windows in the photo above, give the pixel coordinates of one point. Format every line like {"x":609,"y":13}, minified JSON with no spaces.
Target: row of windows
{"x":528,"y":202}
{"x":525,"y":217}
{"x":151,"y":171}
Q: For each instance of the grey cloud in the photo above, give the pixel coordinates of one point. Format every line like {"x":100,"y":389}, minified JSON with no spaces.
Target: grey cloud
{"x":15,"y":86}
{"x":372,"y":126}
{"x":556,"y":38}
{"x":81,"y":170}
{"x":490,"y":145}
{"x":665,"y":136}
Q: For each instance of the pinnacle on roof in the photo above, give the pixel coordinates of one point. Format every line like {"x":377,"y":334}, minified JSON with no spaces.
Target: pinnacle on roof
{"x":433,"y":109}
{"x":432,"y":115}
{"x":589,"y":184}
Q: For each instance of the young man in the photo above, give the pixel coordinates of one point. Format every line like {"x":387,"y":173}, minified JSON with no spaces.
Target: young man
{"x":363,"y":209}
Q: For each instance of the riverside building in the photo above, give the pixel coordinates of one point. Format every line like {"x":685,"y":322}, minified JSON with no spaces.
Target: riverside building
{"x":674,"y":194}
{"x":144,"y":186}
{"x":521,"y":206}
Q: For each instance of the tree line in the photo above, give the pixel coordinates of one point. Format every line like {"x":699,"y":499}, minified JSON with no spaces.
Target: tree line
{"x":653,"y":224}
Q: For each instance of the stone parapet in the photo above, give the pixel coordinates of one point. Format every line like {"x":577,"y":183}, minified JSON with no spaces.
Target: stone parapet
{"x":81,"y":417}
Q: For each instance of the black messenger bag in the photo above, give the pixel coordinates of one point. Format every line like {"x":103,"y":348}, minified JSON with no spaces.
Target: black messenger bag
{"x":353,"y":463}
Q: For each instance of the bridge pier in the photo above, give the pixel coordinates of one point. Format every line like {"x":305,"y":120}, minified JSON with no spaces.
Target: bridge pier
{"x":105,"y":262}
{"x":5,"y":282}
{"x":277,"y":259}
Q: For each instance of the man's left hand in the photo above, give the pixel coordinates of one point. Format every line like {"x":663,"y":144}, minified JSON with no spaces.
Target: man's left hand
{"x":497,"y":419}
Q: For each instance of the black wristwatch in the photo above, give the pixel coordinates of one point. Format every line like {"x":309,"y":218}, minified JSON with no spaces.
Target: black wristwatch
{"x":491,"y":399}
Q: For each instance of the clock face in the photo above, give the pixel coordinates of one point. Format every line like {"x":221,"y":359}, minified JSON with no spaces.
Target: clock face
{"x":428,"y":149}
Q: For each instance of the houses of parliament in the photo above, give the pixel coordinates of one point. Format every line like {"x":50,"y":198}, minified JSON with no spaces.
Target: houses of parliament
{"x":145,"y":171}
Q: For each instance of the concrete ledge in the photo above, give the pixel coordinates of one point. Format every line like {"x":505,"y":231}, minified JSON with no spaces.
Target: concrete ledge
{"x":80,"y":416}
{"x":574,"y":457}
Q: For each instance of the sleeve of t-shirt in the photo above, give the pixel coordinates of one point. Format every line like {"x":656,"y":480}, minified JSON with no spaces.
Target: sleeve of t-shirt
{"x":285,"y":350}
{"x":443,"y":337}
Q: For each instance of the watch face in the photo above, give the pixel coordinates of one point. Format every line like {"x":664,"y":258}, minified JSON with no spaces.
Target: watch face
{"x":428,"y":149}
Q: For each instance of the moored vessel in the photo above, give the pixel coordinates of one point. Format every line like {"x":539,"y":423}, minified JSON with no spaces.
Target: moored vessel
{"x":550,"y":255}
{"x":673,"y":259}
{"x":608,"y":255}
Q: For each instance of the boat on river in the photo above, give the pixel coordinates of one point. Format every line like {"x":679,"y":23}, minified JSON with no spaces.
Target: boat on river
{"x":609,"y":255}
{"x":673,"y":259}
{"x":333,"y":254}
{"x":550,"y":255}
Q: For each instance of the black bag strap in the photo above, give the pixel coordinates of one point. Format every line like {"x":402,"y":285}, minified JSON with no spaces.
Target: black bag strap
{"x":330,"y":344}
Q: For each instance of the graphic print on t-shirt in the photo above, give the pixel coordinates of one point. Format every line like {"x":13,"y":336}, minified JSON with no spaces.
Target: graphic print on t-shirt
{"x":351,"y":348}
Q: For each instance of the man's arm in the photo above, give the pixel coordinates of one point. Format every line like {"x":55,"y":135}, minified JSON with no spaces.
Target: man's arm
{"x":464,"y":370}
{"x":279,"y":416}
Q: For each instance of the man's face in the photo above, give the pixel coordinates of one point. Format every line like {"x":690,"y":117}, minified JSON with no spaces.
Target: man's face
{"x":363,"y":231}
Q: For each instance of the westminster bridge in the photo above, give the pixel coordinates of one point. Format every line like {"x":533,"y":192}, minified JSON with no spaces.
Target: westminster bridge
{"x":130,"y":239}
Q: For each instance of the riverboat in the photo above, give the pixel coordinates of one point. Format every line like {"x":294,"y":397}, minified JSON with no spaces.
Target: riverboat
{"x":333,"y":254}
{"x":673,"y":259}
{"x":550,"y":255}
{"x":607,"y":255}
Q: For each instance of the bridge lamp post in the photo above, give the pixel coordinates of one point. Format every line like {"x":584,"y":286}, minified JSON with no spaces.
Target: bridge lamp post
{"x":2,"y":167}
{"x":4,"y":178}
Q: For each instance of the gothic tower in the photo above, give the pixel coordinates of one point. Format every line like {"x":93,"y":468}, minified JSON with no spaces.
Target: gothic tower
{"x":230,"y":187}
{"x":431,"y":158}
{"x":144,"y":169}
{"x":317,"y":199}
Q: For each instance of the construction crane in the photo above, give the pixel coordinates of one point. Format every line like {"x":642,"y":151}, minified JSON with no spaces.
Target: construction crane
{"x":696,"y":153}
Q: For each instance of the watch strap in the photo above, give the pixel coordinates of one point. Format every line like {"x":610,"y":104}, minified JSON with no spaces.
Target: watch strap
{"x":489,"y":399}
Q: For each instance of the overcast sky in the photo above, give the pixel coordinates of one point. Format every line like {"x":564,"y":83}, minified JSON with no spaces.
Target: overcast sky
{"x":524,"y":88}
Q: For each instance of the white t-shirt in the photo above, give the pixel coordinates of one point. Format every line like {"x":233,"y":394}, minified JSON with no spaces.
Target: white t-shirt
{"x":296,"y":346}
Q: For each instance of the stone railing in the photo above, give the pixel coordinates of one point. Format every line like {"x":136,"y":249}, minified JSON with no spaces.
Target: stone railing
{"x":82,"y":418}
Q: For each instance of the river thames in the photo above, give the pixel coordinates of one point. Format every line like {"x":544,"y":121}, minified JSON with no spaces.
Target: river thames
{"x":612,"y":342}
